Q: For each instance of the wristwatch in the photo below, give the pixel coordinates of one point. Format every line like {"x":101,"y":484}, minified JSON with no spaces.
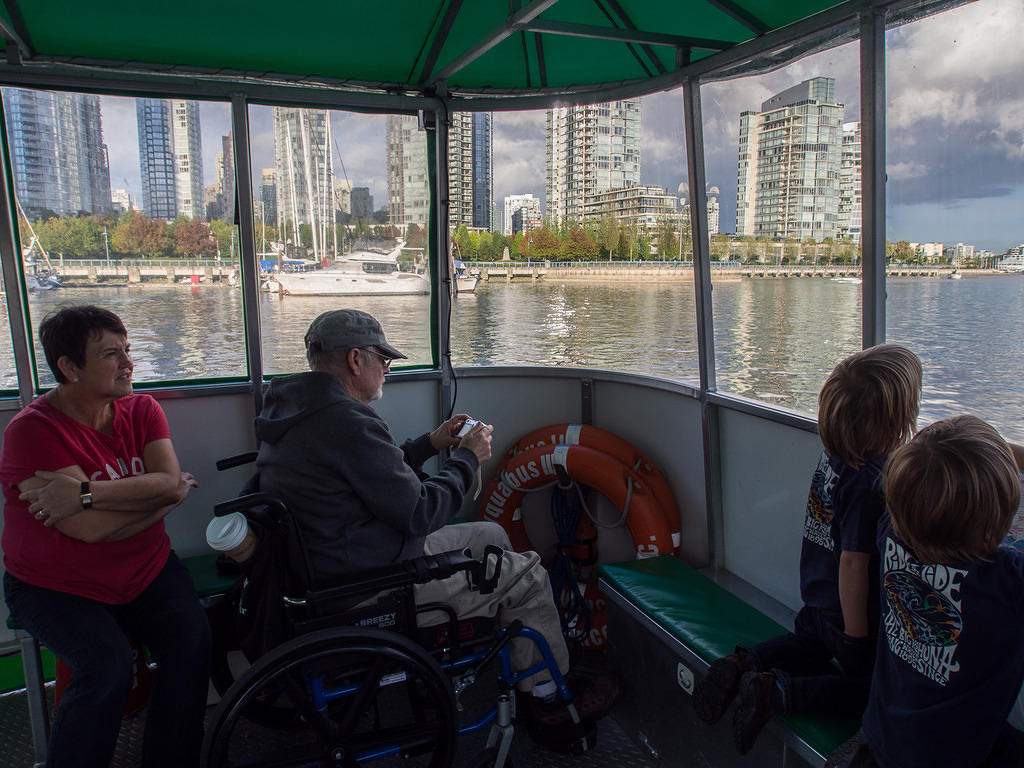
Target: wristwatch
{"x":86,"y":496}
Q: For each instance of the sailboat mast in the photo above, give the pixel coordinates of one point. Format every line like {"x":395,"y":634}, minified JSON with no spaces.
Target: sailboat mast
{"x":296,"y":232}
{"x":329,"y":162}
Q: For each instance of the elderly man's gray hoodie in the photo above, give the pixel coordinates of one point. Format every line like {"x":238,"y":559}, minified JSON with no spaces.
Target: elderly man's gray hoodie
{"x":358,"y":498}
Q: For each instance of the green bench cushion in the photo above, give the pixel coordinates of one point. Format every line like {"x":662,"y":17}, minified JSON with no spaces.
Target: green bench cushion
{"x":207,"y":579}
{"x":710,"y":621}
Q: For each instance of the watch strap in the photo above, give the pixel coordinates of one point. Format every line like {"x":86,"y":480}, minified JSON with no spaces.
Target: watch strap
{"x":85,"y":494}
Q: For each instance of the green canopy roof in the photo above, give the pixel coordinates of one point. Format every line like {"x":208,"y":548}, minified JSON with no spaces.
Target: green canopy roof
{"x":466,"y":48}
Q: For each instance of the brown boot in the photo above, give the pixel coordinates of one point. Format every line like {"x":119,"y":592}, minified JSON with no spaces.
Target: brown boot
{"x":713,"y":695}
{"x":754,"y":709}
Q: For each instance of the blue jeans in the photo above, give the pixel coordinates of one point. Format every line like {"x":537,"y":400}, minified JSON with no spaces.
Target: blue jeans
{"x":92,"y":639}
{"x":808,"y":680}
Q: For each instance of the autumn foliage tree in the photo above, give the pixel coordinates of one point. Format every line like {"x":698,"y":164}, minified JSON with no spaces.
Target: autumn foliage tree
{"x":192,"y":237}
{"x":138,"y":235}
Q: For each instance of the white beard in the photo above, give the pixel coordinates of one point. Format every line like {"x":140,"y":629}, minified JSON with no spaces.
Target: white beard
{"x":378,"y":394}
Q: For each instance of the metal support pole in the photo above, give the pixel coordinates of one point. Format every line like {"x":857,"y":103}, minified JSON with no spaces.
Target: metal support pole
{"x":444,"y":286}
{"x":872,"y":115}
{"x":694,"y":126}
{"x":10,"y":261}
{"x":248,"y":258}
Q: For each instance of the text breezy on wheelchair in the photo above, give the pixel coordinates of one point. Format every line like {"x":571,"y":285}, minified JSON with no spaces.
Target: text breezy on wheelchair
{"x":347,"y":673}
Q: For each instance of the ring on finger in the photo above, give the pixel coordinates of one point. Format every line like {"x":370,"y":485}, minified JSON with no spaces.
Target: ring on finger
{"x":40,"y":514}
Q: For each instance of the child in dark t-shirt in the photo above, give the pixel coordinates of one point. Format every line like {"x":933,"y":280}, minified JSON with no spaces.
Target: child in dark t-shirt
{"x":951,"y":646}
{"x":866,"y":408}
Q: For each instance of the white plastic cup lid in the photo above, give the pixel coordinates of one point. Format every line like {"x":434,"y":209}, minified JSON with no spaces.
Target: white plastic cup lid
{"x":225,"y":533}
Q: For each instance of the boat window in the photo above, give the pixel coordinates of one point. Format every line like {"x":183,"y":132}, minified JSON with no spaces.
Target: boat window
{"x":582,"y":264}
{"x":782,"y":166}
{"x":955,"y":163}
{"x":124,"y":203}
{"x":341,"y":211}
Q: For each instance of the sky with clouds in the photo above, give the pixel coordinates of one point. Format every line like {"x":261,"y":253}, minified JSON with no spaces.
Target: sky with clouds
{"x":955,"y":128}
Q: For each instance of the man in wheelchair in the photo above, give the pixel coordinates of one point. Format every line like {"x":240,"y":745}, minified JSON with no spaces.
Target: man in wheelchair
{"x":360,"y":502}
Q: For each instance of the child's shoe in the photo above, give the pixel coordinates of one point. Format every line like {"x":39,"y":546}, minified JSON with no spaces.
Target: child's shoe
{"x":713,"y":695}
{"x":754,"y":709}
{"x":852,"y":753}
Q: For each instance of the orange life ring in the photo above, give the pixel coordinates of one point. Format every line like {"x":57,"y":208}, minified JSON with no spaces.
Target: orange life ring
{"x":611,"y":444}
{"x":606,"y":474}
{"x":597,"y":637}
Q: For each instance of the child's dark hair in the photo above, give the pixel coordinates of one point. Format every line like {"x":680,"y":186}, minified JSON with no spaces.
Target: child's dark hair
{"x":869,"y":403}
{"x":67,"y":332}
{"x":952,"y":491}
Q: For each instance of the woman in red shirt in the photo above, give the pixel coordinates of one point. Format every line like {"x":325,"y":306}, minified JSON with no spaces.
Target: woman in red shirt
{"x":88,"y":474}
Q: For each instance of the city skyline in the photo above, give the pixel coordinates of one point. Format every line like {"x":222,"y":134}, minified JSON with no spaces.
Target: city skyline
{"x":955,"y":148}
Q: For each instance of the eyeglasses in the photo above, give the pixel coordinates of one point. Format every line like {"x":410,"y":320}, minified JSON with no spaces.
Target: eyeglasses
{"x":384,"y":359}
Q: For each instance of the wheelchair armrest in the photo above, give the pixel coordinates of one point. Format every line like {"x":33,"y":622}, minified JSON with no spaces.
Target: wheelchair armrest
{"x":237,"y":461}
{"x":250,"y":501}
{"x":419,"y":570}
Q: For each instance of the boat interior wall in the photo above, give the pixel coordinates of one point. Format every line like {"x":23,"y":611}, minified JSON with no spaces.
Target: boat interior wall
{"x":665,"y":427}
{"x":765,"y":469}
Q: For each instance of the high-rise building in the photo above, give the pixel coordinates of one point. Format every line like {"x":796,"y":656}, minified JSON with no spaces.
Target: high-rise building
{"x":591,"y":148}
{"x":268,"y":196}
{"x":225,"y":166}
{"x":714,"y":213}
{"x":646,"y":208}
{"x":58,"y":157}
{"x":362,"y":203}
{"x":514,"y":203}
{"x":483,"y":170}
{"x":789,"y":164}
{"x":170,"y":158}
{"x":305,"y":174}
{"x":121,"y":200}
{"x":188,"y":158}
{"x":526,"y":219}
{"x":408,"y":188}
{"x":469,"y":170}
{"x":343,"y":196}
{"x":848,"y":226}
{"x":460,"y":169}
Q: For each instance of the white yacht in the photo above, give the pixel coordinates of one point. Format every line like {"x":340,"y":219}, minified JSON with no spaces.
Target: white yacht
{"x":358,"y":273}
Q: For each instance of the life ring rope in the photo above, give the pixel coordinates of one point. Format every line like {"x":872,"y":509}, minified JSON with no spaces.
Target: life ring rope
{"x":586,"y":507}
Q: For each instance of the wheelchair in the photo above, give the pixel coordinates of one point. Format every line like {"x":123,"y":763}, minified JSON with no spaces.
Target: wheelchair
{"x":363,"y":673}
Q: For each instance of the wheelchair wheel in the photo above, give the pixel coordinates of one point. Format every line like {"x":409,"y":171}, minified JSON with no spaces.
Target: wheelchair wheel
{"x":352,"y":695}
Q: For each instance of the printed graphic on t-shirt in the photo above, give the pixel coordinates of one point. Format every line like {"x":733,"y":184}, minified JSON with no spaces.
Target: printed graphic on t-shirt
{"x":820,"y":505}
{"x":924,"y":619}
{"x":122,"y":469}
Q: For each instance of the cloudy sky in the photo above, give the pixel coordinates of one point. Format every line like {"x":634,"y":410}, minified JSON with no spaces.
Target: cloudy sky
{"x":955,"y":130}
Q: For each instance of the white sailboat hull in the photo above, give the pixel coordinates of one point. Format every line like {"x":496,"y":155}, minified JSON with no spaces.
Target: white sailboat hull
{"x":330,"y":282}
{"x":466,"y":283}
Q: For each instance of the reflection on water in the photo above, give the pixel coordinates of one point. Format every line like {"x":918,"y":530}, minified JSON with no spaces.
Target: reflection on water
{"x":775,"y":340}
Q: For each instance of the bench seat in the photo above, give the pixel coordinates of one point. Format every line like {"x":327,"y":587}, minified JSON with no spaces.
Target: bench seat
{"x":701,"y":621}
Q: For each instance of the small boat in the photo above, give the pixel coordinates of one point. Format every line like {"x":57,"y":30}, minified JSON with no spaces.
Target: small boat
{"x":955,"y":275}
{"x":358,"y":273}
{"x":43,"y":280}
{"x":465,"y":282}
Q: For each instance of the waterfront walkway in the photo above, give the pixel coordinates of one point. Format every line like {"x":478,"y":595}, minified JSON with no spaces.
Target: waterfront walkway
{"x":680,"y":271}
{"x":134,"y":271}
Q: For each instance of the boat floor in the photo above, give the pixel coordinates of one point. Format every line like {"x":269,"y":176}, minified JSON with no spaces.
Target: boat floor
{"x":614,"y":747}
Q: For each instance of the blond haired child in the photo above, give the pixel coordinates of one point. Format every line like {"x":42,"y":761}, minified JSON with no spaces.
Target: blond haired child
{"x":866,"y":408}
